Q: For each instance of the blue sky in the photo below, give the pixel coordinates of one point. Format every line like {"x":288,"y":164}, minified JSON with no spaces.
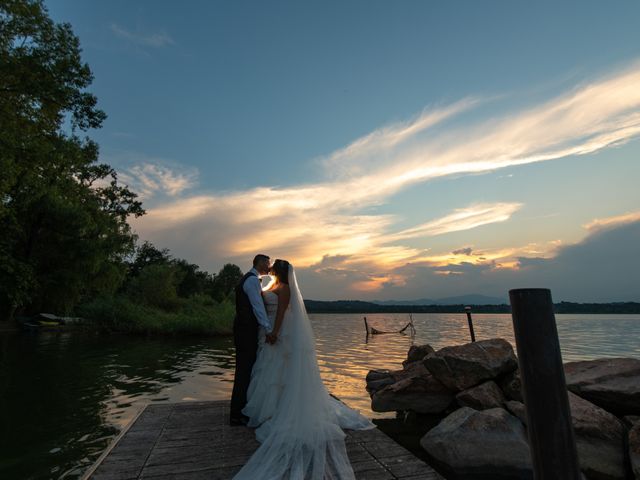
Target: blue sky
{"x":388,"y":149}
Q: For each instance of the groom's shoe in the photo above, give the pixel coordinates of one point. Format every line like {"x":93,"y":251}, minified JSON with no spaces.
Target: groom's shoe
{"x":242,"y":420}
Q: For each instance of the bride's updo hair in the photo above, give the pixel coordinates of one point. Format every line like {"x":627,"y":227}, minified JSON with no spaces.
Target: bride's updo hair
{"x":280,"y":269}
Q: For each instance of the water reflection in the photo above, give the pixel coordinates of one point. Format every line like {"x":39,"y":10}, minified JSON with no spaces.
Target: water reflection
{"x":345,"y":355}
{"x":64,"y":396}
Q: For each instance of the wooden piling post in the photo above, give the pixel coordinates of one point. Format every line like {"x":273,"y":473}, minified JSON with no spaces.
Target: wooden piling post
{"x":470,"y":321}
{"x":551,"y":437}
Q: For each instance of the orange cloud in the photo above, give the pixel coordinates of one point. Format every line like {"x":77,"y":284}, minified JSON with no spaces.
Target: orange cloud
{"x":609,"y":222}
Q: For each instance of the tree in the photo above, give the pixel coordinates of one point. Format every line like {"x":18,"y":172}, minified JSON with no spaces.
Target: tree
{"x":194,"y":280}
{"x":156,"y":285}
{"x":147,"y":254}
{"x":63,"y":215}
{"x":225,"y":281}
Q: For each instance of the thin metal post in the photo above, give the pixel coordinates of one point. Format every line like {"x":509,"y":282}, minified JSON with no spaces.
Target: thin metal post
{"x":470,"y":321}
{"x":551,"y":437}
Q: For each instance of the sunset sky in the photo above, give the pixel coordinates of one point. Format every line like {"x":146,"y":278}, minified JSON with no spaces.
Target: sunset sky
{"x":389,"y":150}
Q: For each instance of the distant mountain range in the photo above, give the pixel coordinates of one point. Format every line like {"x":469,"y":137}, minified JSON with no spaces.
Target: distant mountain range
{"x":457,"y":300}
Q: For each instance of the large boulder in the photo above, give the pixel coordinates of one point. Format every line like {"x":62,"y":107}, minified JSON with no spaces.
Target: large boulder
{"x":417,"y":353}
{"x":411,"y":370}
{"x":600,"y":440}
{"x":512,"y":386}
{"x":611,"y":383}
{"x":464,"y":366}
{"x":378,"y":379}
{"x":599,"y":435}
{"x":634,"y":449}
{"x":516,"y":408}
{"x":486,"y":444}
{"x":422,"y":394}
{"x":481,"y":397}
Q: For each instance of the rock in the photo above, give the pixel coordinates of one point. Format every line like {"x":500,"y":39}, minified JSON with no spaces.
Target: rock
{"x":488,"y":443}
{"x":422,"y":394}
{"x":464,"y":366}
{"x":511,"y":386}
{"x":631,"y":420}
{"x":411,"y":370}
{"x":417,"y":353}
{"x":377,"y":374}
{"x":378,"y":379}
{"x":481,"y":397}
{"x":610,"y":383}
{"x":517,"y":409}
{"x":634,"y":449}
{"x":599,"y":440}
{"x":375,"y":385}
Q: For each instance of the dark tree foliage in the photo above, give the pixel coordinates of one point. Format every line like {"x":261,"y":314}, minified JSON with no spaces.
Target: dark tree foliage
{"x":181,"y":278}
{"x":194,"y":281}
{"x":147,"y":254}
{"x":63,"y":214}
{"x":226,"y":281}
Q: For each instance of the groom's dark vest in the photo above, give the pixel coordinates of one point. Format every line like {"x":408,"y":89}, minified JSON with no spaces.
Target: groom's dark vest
{"x":244,"y":311}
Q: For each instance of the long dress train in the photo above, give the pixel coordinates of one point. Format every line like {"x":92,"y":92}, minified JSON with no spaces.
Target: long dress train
{"x":299,"y":425}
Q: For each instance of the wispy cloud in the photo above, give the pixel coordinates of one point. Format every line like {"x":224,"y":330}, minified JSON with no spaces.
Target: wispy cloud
{"x":155,"y":40}
{"x":309,"y":222}
{"x":360,"y":153}
{"x":611,"y":222}
{"x":150,"y":180}
{"x":461,"y":219}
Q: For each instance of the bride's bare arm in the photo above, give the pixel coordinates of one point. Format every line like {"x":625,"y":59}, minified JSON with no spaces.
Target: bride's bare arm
{"x":283,"y":302}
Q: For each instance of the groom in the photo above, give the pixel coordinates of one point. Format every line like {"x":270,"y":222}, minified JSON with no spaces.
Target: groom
{"x":250,"y":312}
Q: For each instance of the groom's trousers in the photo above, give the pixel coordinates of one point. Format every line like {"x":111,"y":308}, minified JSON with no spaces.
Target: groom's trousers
{"x":245,"y":338}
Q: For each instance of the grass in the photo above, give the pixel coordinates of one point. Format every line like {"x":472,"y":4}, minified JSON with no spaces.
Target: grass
{"x":198,"y":315}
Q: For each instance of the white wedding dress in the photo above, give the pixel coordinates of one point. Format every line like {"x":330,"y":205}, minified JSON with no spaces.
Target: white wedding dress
{"x":299,"y":425}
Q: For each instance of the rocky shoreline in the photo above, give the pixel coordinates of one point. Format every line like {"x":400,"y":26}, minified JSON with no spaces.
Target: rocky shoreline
{"x":481,"y":426}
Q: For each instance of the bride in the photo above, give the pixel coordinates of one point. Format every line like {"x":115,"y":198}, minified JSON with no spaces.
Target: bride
{"x":299,"y":425}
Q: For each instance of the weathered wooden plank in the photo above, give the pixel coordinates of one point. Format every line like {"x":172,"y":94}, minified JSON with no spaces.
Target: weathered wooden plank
{"x":209,"y":474}
{"x":385,"y":448}
{"x":193,"y":441}
{"x":375,"y":473}
{"x":404,"y":466}
{"x":368,"y":465}
{"x":357,"y":454}
{"x":433,"y":475}
{"x":129,"y":474}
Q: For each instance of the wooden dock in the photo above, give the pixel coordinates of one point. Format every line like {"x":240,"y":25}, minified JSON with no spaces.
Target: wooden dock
{"x":193,"y":441}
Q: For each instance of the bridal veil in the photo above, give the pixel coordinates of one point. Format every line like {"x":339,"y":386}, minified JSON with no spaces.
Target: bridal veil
{"x":303,"y":439}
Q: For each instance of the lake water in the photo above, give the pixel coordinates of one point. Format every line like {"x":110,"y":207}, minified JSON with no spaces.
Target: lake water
{"x":64,"y":396}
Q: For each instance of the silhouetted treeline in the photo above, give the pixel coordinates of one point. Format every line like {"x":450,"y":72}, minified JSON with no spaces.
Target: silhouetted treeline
{"x":357,"y":306}
{"x":162,"y":294}
{"x":615,"y":307}
{"x":154,"y":277}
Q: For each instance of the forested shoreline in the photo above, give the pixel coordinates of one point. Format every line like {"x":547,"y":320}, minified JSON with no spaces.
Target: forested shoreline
{"x":357,"y":306}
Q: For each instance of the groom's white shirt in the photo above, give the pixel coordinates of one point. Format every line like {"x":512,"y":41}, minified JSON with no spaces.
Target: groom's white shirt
{"x":253,"y":288}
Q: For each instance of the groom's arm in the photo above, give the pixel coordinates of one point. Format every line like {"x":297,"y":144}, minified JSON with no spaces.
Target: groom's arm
{"x":254,"y":291}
